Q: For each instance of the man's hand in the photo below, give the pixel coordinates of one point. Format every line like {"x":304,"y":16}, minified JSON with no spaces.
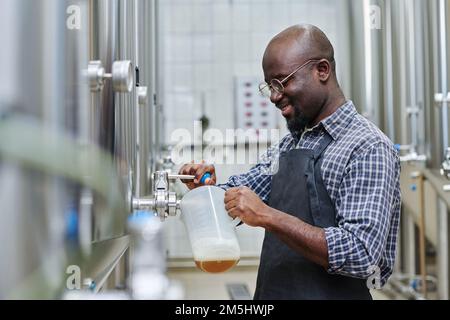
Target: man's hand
{"x":243,"y":203}
{"x":198,"y":170}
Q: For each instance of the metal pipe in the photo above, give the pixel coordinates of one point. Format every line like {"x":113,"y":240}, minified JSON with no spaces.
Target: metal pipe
{"x":422,"y":239}
{"x":368,"y":61}
{"x":144,"y":204}
{"x":402,"y":69}
{"x":105,"y":257}
{"x":137,"y":156}
{"x":420,"y":20}
{"x":412,"y":74}
{"x":389,"y":69}
{"x":158,"y":85}
{"x":443,"y":71}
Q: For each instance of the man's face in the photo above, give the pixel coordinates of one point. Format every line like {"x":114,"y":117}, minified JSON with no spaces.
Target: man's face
{"x":301,"y":101}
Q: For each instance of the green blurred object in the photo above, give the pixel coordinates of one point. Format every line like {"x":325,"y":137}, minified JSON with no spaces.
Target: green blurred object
{"x":32,"y":145}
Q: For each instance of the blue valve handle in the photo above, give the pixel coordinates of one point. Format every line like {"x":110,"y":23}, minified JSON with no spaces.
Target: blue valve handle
{"x":205,"y":178}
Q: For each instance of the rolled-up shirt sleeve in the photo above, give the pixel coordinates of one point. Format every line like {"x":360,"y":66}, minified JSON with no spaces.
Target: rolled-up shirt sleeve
{"x":367,"y":208}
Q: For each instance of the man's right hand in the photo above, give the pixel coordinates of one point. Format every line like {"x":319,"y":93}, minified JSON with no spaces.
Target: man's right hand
{"x":198,"y":170}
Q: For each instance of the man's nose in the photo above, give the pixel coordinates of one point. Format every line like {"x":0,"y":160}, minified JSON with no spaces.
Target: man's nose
{"x":275,"y":96}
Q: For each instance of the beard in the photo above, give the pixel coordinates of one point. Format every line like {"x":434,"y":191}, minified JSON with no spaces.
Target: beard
{"x":297,"y":124}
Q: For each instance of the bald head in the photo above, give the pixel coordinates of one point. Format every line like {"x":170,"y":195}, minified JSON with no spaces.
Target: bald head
{"x":302,"y":42}
{"x":309,"y":91}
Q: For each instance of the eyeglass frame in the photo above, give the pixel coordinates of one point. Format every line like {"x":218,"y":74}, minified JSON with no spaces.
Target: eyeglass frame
{"x":263,"y":85}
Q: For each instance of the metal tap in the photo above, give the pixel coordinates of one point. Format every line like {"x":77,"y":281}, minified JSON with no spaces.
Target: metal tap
{"x":445,"y":167}
{"x":121,"y":76}
{"x":164,"y":202}
{"x":412,"y":155}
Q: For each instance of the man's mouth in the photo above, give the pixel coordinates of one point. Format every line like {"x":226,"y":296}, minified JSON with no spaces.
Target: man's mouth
{"x":286,"y":110}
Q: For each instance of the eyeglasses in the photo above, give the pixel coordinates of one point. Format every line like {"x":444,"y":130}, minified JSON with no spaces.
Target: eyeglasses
{"x":276,"y":85}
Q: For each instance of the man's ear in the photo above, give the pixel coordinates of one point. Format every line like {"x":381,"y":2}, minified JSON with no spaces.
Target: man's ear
{"x":324,"y":70}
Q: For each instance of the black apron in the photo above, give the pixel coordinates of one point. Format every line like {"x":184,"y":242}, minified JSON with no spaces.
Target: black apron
{"x":298,"y":189}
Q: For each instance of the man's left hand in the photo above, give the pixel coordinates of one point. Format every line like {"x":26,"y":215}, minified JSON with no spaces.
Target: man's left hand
{"x":243,"y":203}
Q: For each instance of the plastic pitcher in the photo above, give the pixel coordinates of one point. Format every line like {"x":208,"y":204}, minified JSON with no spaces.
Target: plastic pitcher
{"x":211,"y":230}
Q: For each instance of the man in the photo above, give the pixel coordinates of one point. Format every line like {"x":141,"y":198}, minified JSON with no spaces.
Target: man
{"x":331,"y":210}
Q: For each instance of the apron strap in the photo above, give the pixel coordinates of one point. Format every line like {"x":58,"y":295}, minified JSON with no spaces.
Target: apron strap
{"x":322,"y":146}
{"x":320,"y":217}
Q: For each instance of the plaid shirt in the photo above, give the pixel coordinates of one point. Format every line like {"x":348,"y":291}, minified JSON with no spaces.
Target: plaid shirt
{"x":361,"y":172}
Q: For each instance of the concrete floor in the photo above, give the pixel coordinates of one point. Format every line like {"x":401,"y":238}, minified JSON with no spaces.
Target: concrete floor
{"x":199,"y":285}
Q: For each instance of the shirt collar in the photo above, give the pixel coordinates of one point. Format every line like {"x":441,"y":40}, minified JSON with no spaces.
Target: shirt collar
{"x":335,"y":123}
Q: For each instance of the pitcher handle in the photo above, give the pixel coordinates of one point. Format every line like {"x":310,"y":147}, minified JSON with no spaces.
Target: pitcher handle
{"x":235,"y":222}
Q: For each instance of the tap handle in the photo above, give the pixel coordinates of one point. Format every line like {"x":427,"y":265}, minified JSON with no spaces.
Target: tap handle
{"x":181,"y":176}
{"x":206,"y":177}
{"x":203,"y":180}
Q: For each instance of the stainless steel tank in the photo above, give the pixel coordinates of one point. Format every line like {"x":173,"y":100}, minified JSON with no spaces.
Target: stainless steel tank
{"x":71,"y":158}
